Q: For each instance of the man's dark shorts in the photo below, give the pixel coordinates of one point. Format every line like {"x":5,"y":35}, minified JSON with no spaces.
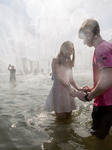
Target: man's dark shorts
{"x":102,"y":120}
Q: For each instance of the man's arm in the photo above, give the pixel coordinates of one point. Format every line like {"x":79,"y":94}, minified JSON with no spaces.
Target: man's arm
{"x":103,"y":84}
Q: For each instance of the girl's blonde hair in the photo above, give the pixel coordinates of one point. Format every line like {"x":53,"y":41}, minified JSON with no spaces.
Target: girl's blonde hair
{"x":62,"y":59}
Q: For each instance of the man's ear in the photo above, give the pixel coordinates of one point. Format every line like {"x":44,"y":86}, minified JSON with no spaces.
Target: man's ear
{"x":88,"y":32}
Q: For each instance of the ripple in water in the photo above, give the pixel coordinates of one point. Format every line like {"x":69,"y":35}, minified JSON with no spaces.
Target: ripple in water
{"x":25,"y":125}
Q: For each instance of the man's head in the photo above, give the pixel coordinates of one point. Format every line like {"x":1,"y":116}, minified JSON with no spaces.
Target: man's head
{"x":89,"y":31}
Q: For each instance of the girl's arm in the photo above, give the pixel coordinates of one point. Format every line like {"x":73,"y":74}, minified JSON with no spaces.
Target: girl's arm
{"x":72,"y":81}
{"x":58,"y":76}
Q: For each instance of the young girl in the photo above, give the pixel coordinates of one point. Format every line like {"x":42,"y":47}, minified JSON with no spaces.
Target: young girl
{"x":60,"y":97}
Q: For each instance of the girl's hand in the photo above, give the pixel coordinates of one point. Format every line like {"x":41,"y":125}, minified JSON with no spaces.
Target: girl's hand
{"x":72,"y":92}
{"x":80,"y":89}
{"x":81,"y":95}
{"x":86,"y":89}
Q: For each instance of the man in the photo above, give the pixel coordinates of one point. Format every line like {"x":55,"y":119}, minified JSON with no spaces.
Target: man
{"x":12,"y":72}
{"x":102,"y":77}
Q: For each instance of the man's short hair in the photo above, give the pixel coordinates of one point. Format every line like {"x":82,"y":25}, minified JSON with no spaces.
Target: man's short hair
{"x":90,"y":24}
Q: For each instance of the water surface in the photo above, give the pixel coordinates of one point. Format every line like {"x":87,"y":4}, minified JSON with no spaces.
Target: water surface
{"x":25,"y":125}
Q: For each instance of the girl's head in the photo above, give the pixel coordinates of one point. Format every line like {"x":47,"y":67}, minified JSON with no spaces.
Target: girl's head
{"x":67,"y":53}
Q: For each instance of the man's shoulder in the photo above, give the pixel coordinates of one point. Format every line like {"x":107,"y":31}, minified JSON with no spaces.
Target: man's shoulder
{"x":105,"y":44}
{"x":104,"y":47}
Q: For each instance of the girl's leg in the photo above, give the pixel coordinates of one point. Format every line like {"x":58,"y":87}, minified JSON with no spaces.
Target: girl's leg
{"x":63,"y":115}
{"x":68,"y":114}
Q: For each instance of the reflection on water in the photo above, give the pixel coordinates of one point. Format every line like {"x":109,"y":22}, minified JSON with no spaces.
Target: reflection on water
{"x":63,"y":136}
{"x":25,"y":125}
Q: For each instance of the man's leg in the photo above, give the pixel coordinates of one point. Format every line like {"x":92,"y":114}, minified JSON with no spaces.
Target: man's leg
{"x":104,"y":127}
{"x":102,"y":121}
{"x":96,"y":118}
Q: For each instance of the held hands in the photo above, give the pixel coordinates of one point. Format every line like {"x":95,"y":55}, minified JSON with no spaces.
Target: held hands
{"x":81,"y":95}
{"x":78,"y":94}
{"x":72,"y":92}
{"x":86,"y":89}
{"x":82,"y":92}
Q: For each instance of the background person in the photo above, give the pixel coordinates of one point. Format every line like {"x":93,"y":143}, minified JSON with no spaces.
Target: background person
{"x":12,"y":72}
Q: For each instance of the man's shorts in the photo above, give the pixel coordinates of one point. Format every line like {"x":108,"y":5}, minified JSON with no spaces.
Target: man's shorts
{"x":102,"y":120}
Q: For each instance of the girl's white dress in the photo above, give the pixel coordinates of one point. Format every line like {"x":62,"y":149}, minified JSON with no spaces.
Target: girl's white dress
{"x":59,"y":99}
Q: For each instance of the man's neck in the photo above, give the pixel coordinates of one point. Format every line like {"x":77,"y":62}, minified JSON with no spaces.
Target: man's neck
{"x":97,"y":41}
